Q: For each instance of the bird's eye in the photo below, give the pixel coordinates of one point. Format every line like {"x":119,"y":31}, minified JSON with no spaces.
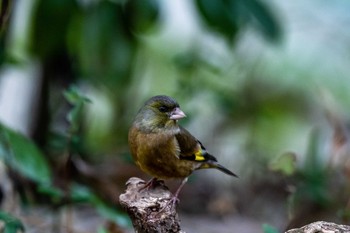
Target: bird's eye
{"x":163,"y":108}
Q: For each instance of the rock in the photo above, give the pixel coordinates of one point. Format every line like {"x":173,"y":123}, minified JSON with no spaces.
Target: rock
{"x":149,"y":208}
{"x":321,"y":227}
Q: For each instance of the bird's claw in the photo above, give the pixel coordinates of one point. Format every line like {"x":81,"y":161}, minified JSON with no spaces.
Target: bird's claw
{"x":151,"y":184}
{"x":172,"y":203}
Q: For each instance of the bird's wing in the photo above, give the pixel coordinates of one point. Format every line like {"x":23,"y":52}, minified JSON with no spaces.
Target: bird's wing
{"x":191,"y":148}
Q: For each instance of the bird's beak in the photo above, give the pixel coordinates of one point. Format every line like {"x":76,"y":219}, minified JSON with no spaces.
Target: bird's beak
{"x":177,"y":114}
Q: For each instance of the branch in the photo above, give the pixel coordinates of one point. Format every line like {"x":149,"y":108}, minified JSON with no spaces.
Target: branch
{"x":144,"y":205}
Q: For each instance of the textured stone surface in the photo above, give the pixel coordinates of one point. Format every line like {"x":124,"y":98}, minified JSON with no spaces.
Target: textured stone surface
{"x":148,"y":208}
{"x":321,"y":227}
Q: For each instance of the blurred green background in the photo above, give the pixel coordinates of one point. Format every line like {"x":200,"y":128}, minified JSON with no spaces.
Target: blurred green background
{"x":265,"y":85}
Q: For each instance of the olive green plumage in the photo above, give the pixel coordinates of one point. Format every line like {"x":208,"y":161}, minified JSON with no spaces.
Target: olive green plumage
{"x":162,"y":148}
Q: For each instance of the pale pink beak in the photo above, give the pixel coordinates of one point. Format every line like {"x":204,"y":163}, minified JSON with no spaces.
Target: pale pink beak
{"x":177,"y":114}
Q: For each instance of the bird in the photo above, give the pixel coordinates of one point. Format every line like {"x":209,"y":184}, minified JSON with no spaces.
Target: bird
{"x":163,"y":149}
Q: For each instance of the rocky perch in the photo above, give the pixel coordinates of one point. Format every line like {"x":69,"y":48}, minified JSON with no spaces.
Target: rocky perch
{"x":150,"y":213}
{"x":321,"y":227}
{"x":148,"y":208}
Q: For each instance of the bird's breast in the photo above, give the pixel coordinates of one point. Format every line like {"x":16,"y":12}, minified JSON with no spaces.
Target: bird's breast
{"x":158,"y":155}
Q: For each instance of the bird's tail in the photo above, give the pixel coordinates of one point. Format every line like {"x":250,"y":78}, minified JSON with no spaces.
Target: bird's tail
{"x":212,"y":164}
{"x":225,"y":170}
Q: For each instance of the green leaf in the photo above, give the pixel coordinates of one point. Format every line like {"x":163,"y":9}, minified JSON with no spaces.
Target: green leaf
{"x":313,"y":163}
{"x":314,"y":173}
{"x":103,"y":43}
{"x":80,"y":193}
{"x":74,"y":117}
{"x":74,"y":97}
{"x":269,"y":229}
{"x":265,"y":20}
{"x":10,"y":224}
{"x":48,"y":41}
{"x":23,"y":155}
{"x":102,"y":230}
{"x":221,"y":15}
{"x":54,"y":193}
{"x":141,"y":15}
{"x":113,"y":214}
{"x":228,"y":17}
{"x":286,"y":164}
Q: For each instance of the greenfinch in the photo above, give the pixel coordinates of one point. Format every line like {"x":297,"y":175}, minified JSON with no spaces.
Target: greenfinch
{"x":162,"y":148}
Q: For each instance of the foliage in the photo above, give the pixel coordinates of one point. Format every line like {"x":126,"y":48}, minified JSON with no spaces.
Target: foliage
{"x":315,"y":175}
{"x":229,"y":17}
{"x":112,"y":54}
{"x":24,"y":156}
{"x":269,"y":229}
{"x":77,"y":100}
{"x":317,"y":187}
{"x":10,"y":224}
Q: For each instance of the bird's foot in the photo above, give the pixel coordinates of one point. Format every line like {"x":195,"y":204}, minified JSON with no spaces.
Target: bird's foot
{"x":171,"y":203}
{"x":174,"y":199}
{"x":151,"y":184}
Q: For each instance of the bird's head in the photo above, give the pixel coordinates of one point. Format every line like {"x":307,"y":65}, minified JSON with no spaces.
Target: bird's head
{"x":159,"y":113}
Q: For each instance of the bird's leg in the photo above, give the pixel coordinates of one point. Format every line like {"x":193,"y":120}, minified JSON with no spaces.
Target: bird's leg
{"x":174,"y":199}
{"x":183,"y":182}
